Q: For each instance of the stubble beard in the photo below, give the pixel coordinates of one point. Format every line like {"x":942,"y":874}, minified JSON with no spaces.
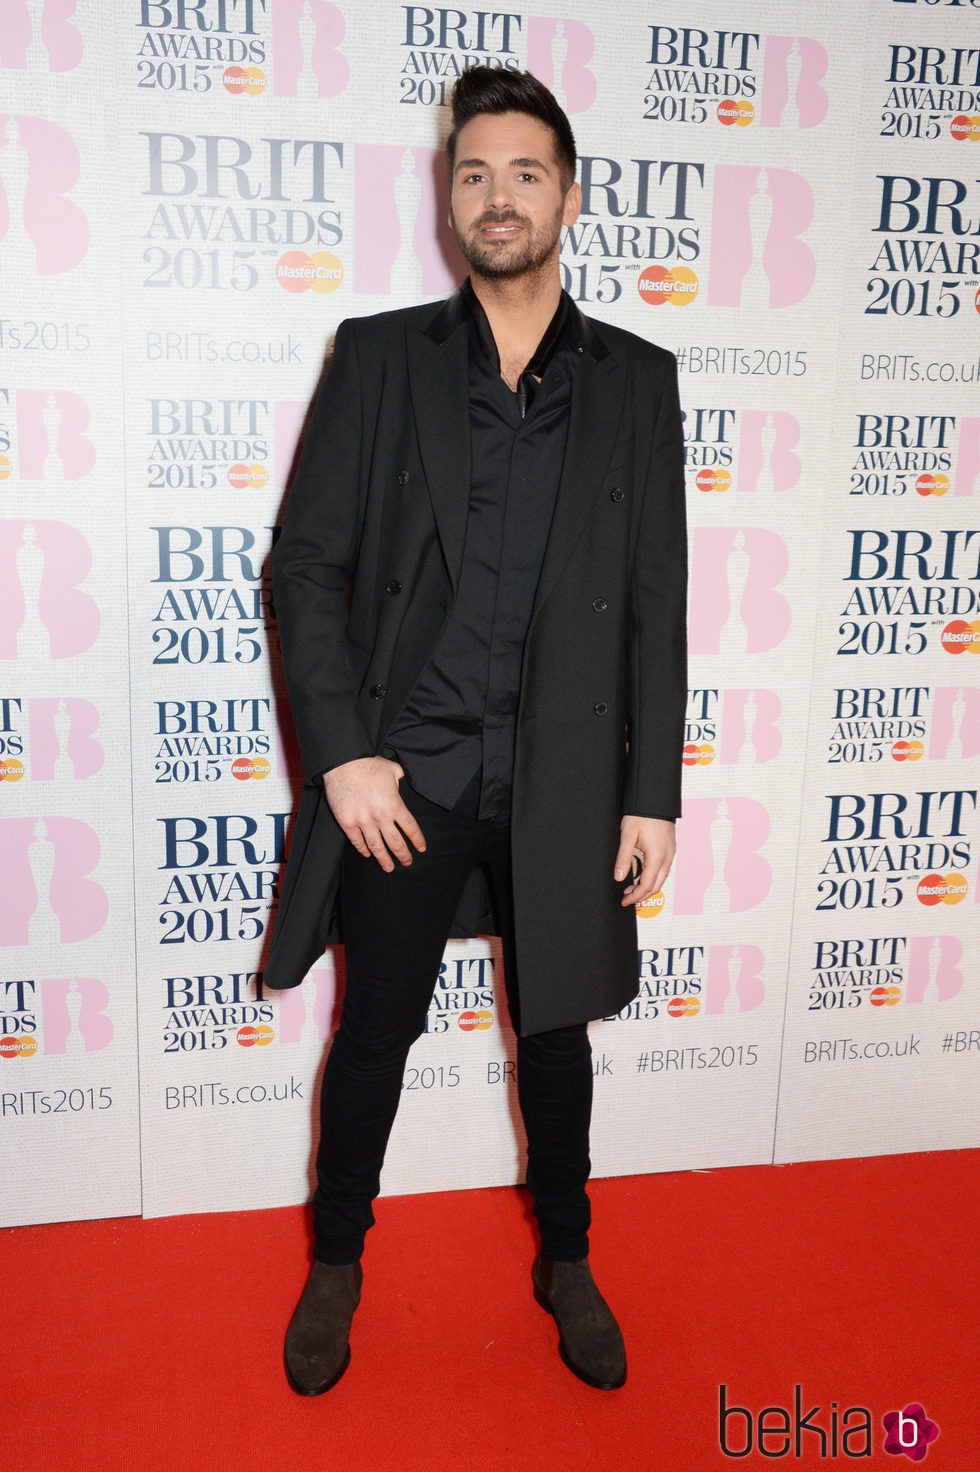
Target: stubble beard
{"x":505,"y":263}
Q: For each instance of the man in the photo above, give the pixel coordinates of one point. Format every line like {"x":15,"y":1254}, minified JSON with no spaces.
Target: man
{"x":480,"y":587}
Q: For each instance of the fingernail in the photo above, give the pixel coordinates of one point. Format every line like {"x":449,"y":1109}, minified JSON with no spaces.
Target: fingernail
{"x":620,"y":874}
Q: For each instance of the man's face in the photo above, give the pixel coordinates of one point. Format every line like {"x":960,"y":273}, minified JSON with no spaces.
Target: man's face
{"x":507,"y":206}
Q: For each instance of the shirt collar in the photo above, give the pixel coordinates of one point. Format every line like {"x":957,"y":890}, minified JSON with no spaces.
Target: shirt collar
{"x":554,"y":334}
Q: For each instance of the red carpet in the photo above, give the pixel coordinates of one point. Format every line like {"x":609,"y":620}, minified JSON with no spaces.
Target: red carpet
{"x":156,"y":1345}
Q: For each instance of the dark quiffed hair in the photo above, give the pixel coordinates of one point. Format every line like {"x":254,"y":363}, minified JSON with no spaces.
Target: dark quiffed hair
{"x":486,"y":89}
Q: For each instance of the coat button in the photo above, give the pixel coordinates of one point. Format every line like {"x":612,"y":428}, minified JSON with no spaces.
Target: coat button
{"x":600,"y":605}
{"x":393,"y":587}
{"x":403,"y":477}
{"x":617,"y":494}
{"x":600,"y":708}
{"x":378,"y":692}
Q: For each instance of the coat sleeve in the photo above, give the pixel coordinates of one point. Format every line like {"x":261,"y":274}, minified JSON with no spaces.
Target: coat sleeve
{"x":312,"y":565}
{"x":657,"y":667}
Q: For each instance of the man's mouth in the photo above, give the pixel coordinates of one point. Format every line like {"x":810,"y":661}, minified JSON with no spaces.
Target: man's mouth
{"x":500,"y":228}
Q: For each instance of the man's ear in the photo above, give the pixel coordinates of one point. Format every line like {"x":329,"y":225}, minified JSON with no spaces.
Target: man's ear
{"x":573,"y":204}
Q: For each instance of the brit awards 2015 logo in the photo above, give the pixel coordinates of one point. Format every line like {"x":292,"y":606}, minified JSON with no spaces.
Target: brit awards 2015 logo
{"x":46,"y":614}
{"x":884,"y":971}
{"x":678,"y":982}
{"x":899,"y":453}
{"x":207,"y":444}
{"x":886,"y":846}
{"x":191,"y":45}
{"x":721,"y":867}
{"x":209,"y":740}
{"x":49,"y":740}
{"x":733,"y":727}
{"x":62,"y":1016}
{"x":403,"y":246}
{"x":698,"y":76}
{"x":42,"y":231}
{"x":40,"y":36}
{"x":221,"y":875}
{"x":751,"y":449}
{"x":736,"y":605}
{"x":463,"y":995}
{"x":46,"y":866}
{"x":758,"y":257}
{"x":904,"y":723}
{"x":931,"y":92}
{"x":217,"y":603}
{"x":437,"y":44}
{"x":308,"y":62}
{"x":927,"y":257}
{"x":912,"y":590}
{"x":205,"y":1012}
{"x":260,"y":210}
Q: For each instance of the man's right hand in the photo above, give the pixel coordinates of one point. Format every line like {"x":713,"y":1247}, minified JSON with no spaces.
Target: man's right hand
{"x":364,"y":798}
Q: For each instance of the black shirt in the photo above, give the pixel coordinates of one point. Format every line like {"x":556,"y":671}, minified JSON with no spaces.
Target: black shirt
{"x":460,"y":719}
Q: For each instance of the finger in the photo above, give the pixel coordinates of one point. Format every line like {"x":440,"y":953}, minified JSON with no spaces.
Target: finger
{"x":379,"y":849}
{"x":355,"y":837}
{"x":410,"y":828}
{"x":624,"y":857}
{"x":396,"y":843}
{"x":643,"y":885}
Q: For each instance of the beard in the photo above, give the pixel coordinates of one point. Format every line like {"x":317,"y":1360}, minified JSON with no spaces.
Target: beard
{"x":507,"y":260}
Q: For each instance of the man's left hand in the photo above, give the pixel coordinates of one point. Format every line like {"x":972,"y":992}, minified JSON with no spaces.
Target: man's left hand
{"x":654,"y":841}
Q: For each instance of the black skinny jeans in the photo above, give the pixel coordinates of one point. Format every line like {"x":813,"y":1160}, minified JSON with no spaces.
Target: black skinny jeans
{"x":395,"y":930}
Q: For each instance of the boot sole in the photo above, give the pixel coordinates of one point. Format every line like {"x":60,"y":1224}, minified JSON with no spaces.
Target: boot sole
{"x":320,"y":1389}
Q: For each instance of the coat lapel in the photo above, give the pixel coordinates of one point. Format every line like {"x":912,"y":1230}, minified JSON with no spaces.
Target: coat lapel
{"x":438,"y":375}
{"x":598,"y":394}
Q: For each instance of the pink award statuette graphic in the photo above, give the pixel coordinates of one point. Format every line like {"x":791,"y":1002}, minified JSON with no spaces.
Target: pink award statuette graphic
{"x":721,"y":868}
{"x":402,"y":245}
{"x":559,"y":53}
{"x":306,"y":39}
{"x":45,"y":614}
{"x":40,"y":226}
{"x":749,"y":732}
{"x":934,"y":973}
{"x":39,"y":36}
{"x":757,"y":256}
{"x":306,"y":1012}
{"x":73,"y":1015}
{"x":967,"y":482}
{"x":955,"y":727}
{"x":736,"y":607}
{"x":792,"y":72}
{"x":64,"y":743}
{"x":51,"y":429}
{"x":767,"y":458}
{"x":45,"y":869}
{"x":734,"y":980}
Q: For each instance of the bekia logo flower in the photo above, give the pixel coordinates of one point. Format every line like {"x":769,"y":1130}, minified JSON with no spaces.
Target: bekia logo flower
{"x":909,"y":1431}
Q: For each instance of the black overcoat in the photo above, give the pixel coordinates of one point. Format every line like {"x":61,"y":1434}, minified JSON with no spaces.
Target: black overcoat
{"x":364,"y":574}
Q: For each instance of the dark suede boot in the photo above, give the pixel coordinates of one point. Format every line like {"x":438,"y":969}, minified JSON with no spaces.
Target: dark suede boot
{"x":317,"y":1351}
{"x":589,"y":1340}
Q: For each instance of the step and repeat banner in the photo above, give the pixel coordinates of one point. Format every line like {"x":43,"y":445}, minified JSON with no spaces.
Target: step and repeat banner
{"x":193,"y":194}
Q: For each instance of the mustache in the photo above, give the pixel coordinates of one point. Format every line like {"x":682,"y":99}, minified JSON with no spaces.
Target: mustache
{"x":508,"y":217}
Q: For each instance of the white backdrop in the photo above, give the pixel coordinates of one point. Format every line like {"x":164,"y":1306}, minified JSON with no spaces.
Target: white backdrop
{"x":191,"y":198}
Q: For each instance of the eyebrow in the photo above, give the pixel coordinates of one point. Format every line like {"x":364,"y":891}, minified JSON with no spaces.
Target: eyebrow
{"x":521,"y":163}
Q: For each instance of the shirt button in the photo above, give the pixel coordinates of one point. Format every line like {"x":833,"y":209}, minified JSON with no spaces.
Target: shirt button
{"x":378,"y":692}
{"x":403,"y":477}
{"x":393,"y":587}
{"x":617,"y":494}
{"x":600,"y":605}
{"x":580,"y":350}
{"x":600,"y":708}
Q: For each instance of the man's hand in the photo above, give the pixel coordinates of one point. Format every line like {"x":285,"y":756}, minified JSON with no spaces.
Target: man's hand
{"x":364,"y":798}
{"x":654,"y":841}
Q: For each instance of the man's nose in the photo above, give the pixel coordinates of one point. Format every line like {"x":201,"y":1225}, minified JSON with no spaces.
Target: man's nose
{"x":499,"y":193}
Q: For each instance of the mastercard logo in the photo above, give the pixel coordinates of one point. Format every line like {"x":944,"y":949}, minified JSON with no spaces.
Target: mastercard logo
{"x":6,"y":467}
{"x":250,"y":80}
{"x":657,"y":285}
{"x":698,"y":756}
{"x":651,"y":907}
{"x":299,"y":270}
{"x":11,"y":769}
{"x":22,"y":1046}
{"x":243,"y":477}
{"x":959,"y":636}
{"x":713,"y":480}
{"x":885,"y":996}
{"x":941,"y":889}
{"x":475,"y":1021}
{"x":932,"y":485}
{"x":258,"y":1036}
{"x":966,"y":128}
{"x":735,"y":114}
{"x":244,"y":767}
{"x":907,"y":751}
{"x":684,"y":1006}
